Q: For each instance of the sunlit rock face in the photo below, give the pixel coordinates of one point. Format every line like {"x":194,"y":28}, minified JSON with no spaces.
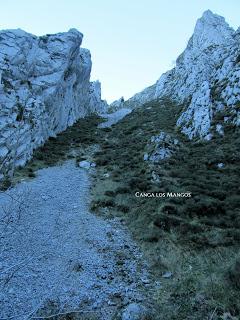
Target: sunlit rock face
{"x":44,"y":88}
{"x":206,"y":78}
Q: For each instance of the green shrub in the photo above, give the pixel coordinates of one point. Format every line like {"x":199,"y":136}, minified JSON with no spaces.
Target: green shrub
{"x":234,"y":274}
{"x":109,"y":193}
{"x":123,"y":190}
{"x":31,"y":175}
{"x":123,"y":208}
{"x":5,"y":183}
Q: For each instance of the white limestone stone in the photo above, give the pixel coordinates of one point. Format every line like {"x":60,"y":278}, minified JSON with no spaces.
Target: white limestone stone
{"x":117,"y":104}
{"x":160,"y":147}
{"x":85,"y":164}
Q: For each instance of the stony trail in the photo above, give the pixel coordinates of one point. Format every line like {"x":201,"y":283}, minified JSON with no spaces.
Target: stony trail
{"x":56,"y":256}
{"x":114,"y":117}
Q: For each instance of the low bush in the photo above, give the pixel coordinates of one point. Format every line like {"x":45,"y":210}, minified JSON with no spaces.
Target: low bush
{"x":123,"y":208}
{"x":234,"y":274}
{"x":5,"y":183}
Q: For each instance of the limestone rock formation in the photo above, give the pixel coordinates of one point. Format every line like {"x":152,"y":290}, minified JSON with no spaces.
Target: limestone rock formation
{"x":161,"y":147}
{"x":117,"y":104}
{"x":96,"y":103}
{"x":44,"y":88}
{"x":206,"y":78}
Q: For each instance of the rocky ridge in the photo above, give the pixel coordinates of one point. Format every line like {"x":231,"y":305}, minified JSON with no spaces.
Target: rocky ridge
{"x":206,"y":79}
{"x":44,"y":88}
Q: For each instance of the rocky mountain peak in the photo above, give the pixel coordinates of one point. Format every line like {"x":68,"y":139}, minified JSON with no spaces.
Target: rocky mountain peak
{"x":204,"y":79}
{"x":211,"y":29}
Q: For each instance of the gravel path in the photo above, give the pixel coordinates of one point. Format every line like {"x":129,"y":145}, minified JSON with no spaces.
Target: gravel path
{"x":112,"y":118}
{"x":57,"y":256}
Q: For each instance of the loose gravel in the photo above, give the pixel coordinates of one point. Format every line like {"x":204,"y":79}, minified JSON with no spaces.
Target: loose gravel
{"x":114,"y":117}
{"x":56,"y":256}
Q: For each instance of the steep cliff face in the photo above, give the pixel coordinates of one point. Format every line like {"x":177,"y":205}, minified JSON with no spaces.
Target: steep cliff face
{"x":205,"y":79}
{"x":44,"y":88}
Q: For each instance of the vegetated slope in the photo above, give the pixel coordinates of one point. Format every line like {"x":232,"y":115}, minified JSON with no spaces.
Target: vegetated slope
{"x":196,"y":238}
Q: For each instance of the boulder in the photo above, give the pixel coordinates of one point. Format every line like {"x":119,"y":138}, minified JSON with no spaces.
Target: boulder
{"x":86,"y":164}
{"x":135,"y":311}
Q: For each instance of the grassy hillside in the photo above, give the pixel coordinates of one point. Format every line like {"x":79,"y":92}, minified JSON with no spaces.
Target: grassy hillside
{"x":196,"y":238}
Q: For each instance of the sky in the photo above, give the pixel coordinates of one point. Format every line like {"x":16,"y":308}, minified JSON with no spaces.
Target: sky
{"x":132,"y":42}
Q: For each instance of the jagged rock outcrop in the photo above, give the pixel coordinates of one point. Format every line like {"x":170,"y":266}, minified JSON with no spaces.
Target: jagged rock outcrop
{"x":96,"y":104}
{"x":161,"y":147}
{"x":117,"y":104}
{"x":44,"y":88}
{"x":206,"y":78}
